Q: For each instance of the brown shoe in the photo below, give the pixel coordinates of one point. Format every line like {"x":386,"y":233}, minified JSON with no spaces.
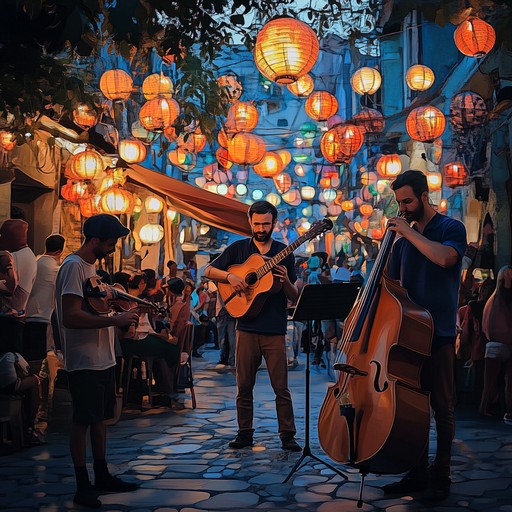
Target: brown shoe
{"x":242,"y":440}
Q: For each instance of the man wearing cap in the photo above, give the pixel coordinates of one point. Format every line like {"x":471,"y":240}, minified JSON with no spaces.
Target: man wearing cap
{"x":88,"y":347}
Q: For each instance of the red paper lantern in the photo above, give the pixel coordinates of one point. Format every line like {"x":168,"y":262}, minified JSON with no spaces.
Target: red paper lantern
{"x":369,"y":120}
{"x":425,"y":123}
{"x":467,"y":110}
{"x":242,"y":117}
{"x":339,"y":144}
{"x":389,"y":166}
{"x":158,"y":114}
{"x":455,"y":174}
{"x":474,"y":37}
{"x":271,"y":165}
{"x":321,"y":105}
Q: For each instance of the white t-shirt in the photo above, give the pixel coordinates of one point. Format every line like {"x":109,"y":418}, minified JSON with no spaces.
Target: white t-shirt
{"x":41,"y":302}
{"x":25,"y":265}
{"x":83,"y":349}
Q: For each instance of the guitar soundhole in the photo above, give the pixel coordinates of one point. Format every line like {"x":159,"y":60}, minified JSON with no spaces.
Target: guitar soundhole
{"x":251,"y":278}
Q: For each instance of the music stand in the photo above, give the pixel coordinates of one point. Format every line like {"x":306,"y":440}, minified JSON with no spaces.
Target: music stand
{"x":320,"y":302}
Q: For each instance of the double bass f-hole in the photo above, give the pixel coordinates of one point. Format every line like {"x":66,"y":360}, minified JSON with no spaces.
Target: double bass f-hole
{"x":376,"y":384}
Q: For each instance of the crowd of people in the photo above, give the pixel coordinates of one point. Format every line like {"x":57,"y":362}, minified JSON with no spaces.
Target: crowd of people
{"x":45,"y":314}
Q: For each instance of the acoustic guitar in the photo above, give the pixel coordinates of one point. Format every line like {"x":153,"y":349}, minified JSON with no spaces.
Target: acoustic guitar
{"x":256,"y":271}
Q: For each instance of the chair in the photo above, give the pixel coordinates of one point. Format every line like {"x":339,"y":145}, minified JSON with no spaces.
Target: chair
{"x":144,"y":378}
{"x":184,"y":375}
{"x":11,"y":422}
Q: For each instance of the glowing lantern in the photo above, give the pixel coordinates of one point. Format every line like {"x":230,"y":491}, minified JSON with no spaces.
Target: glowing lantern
{"x":273,"y":198}
{"x":455,"y":174}
{"x":113,"y":178}
{"x":7,"y":140}
{"x":132,"y":151}
{"x":271,"y":165}
{"x":230,"y":86}
{"x":85,"y":165}
{"x":75,"y":191}
{"x":329,"y":194}
{"x":285,"y":156}
{"x":467,"y":110}
{"x":474,"y":37}
{"x":151,"y":233}
{"x":369,"y":120}
{"x":193,"y":142}
{"x":368,"y":178}
{"x":434,"y":180}
{"x":376,"y":234}
{"x":84,"y":115}
{"x":89,"y":206}
{"x":321,"y":105}
{"x":347,"y":205}
{"x":157,"y":85}
{"x":242,"y":117}
{"x":299,"y":170}
{"x":419,"y":77}
{"x":425,"y":123}
{"x":185,"y":161}
{"x":283,"y":182}
{"x":366,"y":209}
{"x":285,"y":50}
{"x":257,"y":194}
{"x":157,"y":114}
{"x":303,"y":87}
{"x":341,"y":143}
{"x":247,"y":149}
{"x":443,"y":205}
{"x":366,"y":80}
{"x":116,"y":84}
{"x":153,"y":204}
{"x":116,"y":201}
{"x":223,"y":138}
{"x":389,"y":166}
{"x":292,"y":197}
{"x":222,"y":189}
{"x":241,"y":189}
{"x":307,"y":193}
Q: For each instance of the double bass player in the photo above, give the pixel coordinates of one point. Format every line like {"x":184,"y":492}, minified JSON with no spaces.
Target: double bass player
{"x":426,"y":258}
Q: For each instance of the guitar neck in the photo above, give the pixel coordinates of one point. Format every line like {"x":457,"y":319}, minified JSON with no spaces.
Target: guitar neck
{"x":280,"y":256}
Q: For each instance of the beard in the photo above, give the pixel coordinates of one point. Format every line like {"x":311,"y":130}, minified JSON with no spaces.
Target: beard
{"x":262,"y":237}
{"x":416,"y":215}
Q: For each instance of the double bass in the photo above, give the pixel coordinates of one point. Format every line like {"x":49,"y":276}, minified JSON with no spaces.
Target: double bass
{"x":376,"y":418}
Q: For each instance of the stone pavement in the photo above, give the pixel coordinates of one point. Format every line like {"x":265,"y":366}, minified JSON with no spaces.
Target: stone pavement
{"x":182,"y":461}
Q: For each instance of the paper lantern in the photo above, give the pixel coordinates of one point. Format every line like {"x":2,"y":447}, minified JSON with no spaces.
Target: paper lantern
{"x":307,"y":192}
{"x":222,"y":155}
{"x":90,"y":206}
{"x":443,"y":205}
{"x":434,"y":180}
{"x":339,"y":144}
{"x":153,"y":204}
{"x":192,"y":142}
{"x":85,"y":165}
{"x":246,"y":149}
{"x":467,"y":110}
{"x":116,"y":201}
{"x":285,"y":50}
{"x":389,"y":166}
{"x":321,"y":105}
{"x":455,"y":174}
{"x":132,"y":151}
{"x":347,"y":205}
{"x":419,"y":77}
{"x":230,"y":86}
{"x":369,"y":120}
{"x":151,"y":233}
{"x":425,"y":123}
{"x":112,"y":179}
{"x":474,"y":37}
{"x":273,"y":198}
{"x":242,"y":117}
{"x":223,"y":138}
{"x":302,"y":87}
{"x":158,"y":114}
{"x":85,"y":116}
{"x":74,"y":191}
{"x":7,"y":140}
{"x":283,"y":182}
{"x":285,"y":156}
{"x":157,"y":85}
{"x":116,"y":84}
{"x":271,"y":165}
{"x":366,"y":209}
{"x":182,"y":159}
{"x":366,"y":80}
{"x":292,"y":197}
{"x":241,"y":189}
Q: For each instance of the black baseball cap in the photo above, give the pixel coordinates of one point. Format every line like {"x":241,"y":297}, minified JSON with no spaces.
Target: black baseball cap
{"x":104,"y":226}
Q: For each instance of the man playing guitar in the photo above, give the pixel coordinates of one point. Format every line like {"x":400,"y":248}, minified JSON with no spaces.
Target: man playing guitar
{"x":263,"y":333}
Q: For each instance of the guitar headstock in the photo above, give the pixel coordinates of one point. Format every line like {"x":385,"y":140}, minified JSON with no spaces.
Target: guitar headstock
{"x":319,"y":227}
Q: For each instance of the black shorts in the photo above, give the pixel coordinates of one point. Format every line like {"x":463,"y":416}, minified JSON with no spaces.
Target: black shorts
{"x":94,"y":395}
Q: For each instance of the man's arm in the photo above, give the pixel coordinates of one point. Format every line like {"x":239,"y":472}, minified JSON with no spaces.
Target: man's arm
{"x":290,"y":290}
{"x":75,"y":316}
{"x":443,"y":255}
{"x":224,"y":276}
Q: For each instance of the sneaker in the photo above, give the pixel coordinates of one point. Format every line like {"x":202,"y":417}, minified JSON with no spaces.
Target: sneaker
{"x":112,"y":483}
{"x":87,"y":498}
{"x":242,"y":440}
{"x":409,"y":483}
{"x":507,"y":419}
{"x":289,"y":443}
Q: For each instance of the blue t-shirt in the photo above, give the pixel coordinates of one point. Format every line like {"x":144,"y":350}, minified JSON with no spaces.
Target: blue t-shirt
{"x":429,"y":285}
{"x":272,"y":318}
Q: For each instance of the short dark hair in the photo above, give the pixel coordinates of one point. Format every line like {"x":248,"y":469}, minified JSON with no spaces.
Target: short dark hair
{"x":170,"y":263}
{"x":415,"y":179}
{"x":54,"y":243}
{"x":150,"y":277}
{"x":136,"y":279}
{"x":262,"y":207}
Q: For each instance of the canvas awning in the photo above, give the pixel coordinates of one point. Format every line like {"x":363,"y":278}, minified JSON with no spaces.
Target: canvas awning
{"x":212,"y":209}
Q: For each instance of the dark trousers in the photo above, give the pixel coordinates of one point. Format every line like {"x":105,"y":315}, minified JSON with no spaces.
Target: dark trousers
{"x":438,"y":378}
{"x":250,"y":347}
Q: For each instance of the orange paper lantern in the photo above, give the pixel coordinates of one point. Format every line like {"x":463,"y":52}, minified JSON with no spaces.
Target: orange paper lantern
{"x":116,"y":84}
{"x":74,"y":191}
{"x":222,"y":155}
{"x":285,"y":50}
{"x":85,"y":165}
{"x":158,"y":114}
{"x":389,"y":166}
{"x":85,"y":116}
{"x":302,"y":87}
{"x":157,"y":85}
{"x":321,"y":105}
{"x":271,"y":165}
{"x":283,"y":182}
{"x":455,"y":174}
{"x":419,"y":77}
{"x":246,"y":149}
{"x":341,"y":142}
{"x":116,"y":201}
{"x":425,"y":123}
{"x":366,"y":80}
{"x":369,"y":120}
{"x":474,"y":37}
{"x":132,"y":151}
{"x":242,"y":117}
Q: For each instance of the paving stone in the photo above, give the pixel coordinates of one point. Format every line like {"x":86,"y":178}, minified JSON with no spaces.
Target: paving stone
{"x":230,"y":501}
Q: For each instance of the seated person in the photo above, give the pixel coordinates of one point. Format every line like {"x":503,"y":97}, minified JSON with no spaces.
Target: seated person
{"x":143,"y":341}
